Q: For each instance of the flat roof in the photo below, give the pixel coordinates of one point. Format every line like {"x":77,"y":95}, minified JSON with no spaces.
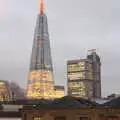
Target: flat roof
{"x":77,"y":61}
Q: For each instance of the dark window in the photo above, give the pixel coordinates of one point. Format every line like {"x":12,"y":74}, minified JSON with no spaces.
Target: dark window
{"x":110,"y":118}
{"x":60,"y":118}
{"x":83,"y":118}
{"x":25,"y":117}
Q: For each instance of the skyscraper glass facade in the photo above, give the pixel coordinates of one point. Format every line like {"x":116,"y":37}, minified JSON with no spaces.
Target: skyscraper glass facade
{"x":40,"y":79}
{"x":40,"y":83}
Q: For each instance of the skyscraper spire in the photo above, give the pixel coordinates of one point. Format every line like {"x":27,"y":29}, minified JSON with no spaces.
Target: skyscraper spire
{"x":42,"y":6}
{"x":40,"y":78}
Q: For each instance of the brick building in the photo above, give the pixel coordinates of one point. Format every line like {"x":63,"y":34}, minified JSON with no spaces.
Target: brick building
{"x":66,"y":108}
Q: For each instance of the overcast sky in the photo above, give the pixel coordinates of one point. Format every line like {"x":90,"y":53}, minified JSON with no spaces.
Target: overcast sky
{"x":74,"y":26}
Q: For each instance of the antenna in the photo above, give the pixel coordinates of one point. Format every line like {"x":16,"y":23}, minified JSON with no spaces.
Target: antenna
{"x":42,"y":6}
{"x":91,"y":51}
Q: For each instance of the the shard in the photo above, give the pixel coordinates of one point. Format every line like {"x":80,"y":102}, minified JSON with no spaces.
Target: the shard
{"x":40,"y":79}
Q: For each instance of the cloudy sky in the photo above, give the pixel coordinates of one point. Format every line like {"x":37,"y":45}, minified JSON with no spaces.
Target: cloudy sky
{"x":74,"y":26}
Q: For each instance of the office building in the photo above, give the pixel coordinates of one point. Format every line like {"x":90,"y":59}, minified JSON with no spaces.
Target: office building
{"x":84,"y":77}
{"x":96,"y":72}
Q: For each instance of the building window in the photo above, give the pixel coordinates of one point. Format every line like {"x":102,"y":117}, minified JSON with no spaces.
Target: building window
{"x":60,"y":118}
{"x":38,"y":118}
{"x":79,"y":117}
{"x":75,"y":67}
{"x":83,"y":118}
{"x":110,"y":118}
{"x":76,"y":76}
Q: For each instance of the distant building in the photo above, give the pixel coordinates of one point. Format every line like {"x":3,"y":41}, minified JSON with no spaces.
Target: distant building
{"x":17,"y":92}
{"x":113,"y":96}
{"x":59,"y":91}
{"x":4,"y":91}
{"x":96,"y":68}
{"x":84,"y":77}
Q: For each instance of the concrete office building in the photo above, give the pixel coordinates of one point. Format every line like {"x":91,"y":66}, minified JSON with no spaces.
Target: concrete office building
{"x":84,"y":77}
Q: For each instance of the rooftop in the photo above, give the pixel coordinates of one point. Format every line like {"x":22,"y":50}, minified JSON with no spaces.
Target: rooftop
{"x":66,"y":102}
{"x":114,"y":103}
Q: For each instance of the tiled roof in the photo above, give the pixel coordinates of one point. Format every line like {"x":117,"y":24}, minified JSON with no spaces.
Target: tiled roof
{"x":65,"y":102}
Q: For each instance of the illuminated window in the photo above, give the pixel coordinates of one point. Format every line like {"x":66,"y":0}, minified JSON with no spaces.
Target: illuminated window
{"x":76,"y":76}
{"x":75,"y":67}
{"x":80,"y":117}
{"x":78,"y":89}
{"x":4,"y":92}
{"x":38,"y":118}
{"x":81,"y":63}
{"x":40,"y":84}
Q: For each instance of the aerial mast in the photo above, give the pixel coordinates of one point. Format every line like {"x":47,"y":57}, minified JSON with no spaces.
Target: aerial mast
{"x":42,"y":6}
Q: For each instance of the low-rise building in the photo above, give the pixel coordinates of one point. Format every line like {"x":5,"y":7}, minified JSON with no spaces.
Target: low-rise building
{"x":4,"y":91}
{"x":66,"y":108}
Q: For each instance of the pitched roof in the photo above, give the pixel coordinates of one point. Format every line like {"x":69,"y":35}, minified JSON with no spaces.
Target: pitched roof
{"x":65,"y":102}
{"x":71,"y":102}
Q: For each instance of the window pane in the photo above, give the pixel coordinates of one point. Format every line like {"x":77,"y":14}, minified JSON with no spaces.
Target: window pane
{"x":83,"y":118}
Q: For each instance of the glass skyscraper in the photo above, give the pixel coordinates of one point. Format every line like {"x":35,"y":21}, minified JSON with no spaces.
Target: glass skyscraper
{"x":40,"y":80}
